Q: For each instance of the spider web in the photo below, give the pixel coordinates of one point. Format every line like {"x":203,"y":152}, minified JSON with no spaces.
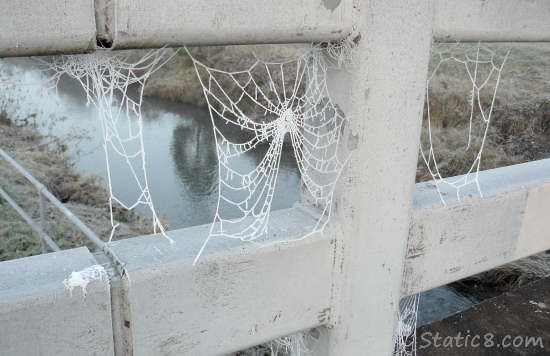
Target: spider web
{"x":405,"y":334}
{"x":107,"y":79}
{"x":484,"y":69}
{"x":274,"y":104}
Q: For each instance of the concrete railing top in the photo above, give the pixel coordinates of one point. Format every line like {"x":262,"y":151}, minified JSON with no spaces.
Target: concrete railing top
{"x":36,"y":27}
{"x":40,"y":316}
{"x":26,"y":276}
{"x":493,"y":182}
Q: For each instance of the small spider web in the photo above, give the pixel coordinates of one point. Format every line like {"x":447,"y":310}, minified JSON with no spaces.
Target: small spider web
{"x":107,"y":79}
{"x":484,"y":69}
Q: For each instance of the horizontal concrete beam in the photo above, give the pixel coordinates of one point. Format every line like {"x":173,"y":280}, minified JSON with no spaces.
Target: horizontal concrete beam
{"x":39,"y":316}
{"x":238,"y":295}
{"x":36,"y":27}
{"x":476,"y":234}
{"x":142,"y":24}
{"x":492,"y":20}
{"x":241,"y":294}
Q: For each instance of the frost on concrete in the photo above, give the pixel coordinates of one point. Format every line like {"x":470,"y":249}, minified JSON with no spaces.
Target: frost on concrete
{"x":83,"y":278}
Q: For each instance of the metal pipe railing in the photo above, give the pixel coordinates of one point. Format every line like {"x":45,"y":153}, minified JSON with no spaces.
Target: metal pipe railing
{"x":44,"y":193}
{"x":44,"y":237}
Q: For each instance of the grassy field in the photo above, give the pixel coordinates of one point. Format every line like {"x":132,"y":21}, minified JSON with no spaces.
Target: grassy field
{"x":520,"y":124}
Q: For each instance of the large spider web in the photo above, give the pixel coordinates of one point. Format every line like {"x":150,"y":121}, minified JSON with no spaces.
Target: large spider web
{"x":275,"y":104}
{"x":107,"y":79}
{"x":484,"y":69}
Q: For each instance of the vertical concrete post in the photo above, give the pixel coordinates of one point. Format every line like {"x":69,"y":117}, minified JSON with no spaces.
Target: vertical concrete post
{"x":383,"y":94}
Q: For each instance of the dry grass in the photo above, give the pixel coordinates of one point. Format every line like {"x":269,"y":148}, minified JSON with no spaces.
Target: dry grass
{"x":520,"y":124}
{"x":520,"y":127}
{"x":84,"y":195}
{"x":177,"y":80}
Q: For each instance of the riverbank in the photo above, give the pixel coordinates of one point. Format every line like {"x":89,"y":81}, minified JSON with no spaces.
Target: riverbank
{"x":44,"y":157}
{"x":177,"y":79}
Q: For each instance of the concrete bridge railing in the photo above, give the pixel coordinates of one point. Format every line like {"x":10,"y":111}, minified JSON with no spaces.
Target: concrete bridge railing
{"x":348,"y":279}
{"x":241,"y":295}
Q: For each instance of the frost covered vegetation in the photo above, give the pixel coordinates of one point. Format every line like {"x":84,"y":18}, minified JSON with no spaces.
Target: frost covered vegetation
{"x":520,"y":124}
{"x":45,"y":158}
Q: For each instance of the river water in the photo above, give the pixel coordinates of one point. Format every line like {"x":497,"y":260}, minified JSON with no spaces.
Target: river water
{"x":179,"y":144}
{"x":180,"y":152}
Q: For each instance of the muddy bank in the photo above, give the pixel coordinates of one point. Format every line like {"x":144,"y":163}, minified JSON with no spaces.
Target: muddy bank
{"x":44,"y":157}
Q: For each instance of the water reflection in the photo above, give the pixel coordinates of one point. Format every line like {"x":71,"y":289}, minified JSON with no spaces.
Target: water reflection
{"x":194,"y":155}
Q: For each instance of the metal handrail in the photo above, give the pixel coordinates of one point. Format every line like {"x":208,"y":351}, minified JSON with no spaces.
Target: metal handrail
{"x":43,"y":192}
{"x":43,"y":235}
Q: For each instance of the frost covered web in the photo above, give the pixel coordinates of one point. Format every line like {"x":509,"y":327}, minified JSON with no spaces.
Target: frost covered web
{"x":83,"y":278}
{"x":107,"y":79}
{"x":274,"y":103}
{"x":483,"y":67}
{"x":405,"y":332}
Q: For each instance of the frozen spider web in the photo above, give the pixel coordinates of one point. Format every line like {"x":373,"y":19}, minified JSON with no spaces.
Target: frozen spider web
{"x":405,"y":332}
{"x":107,"y":79}
{"x":273,"y":104}
{"x":484,"y":68}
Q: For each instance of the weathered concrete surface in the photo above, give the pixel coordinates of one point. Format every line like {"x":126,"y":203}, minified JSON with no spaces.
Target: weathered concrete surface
{"x":238,"y":295}
{"x":385,"y":92}
{"x":241,"y":294}
{"x":38,"y":316}
{"x":500,"y":322}
{"x":476,"y":234}
{"x":492,"y":20}
{"x":207,"y":22}
{"x":35,"y":27}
